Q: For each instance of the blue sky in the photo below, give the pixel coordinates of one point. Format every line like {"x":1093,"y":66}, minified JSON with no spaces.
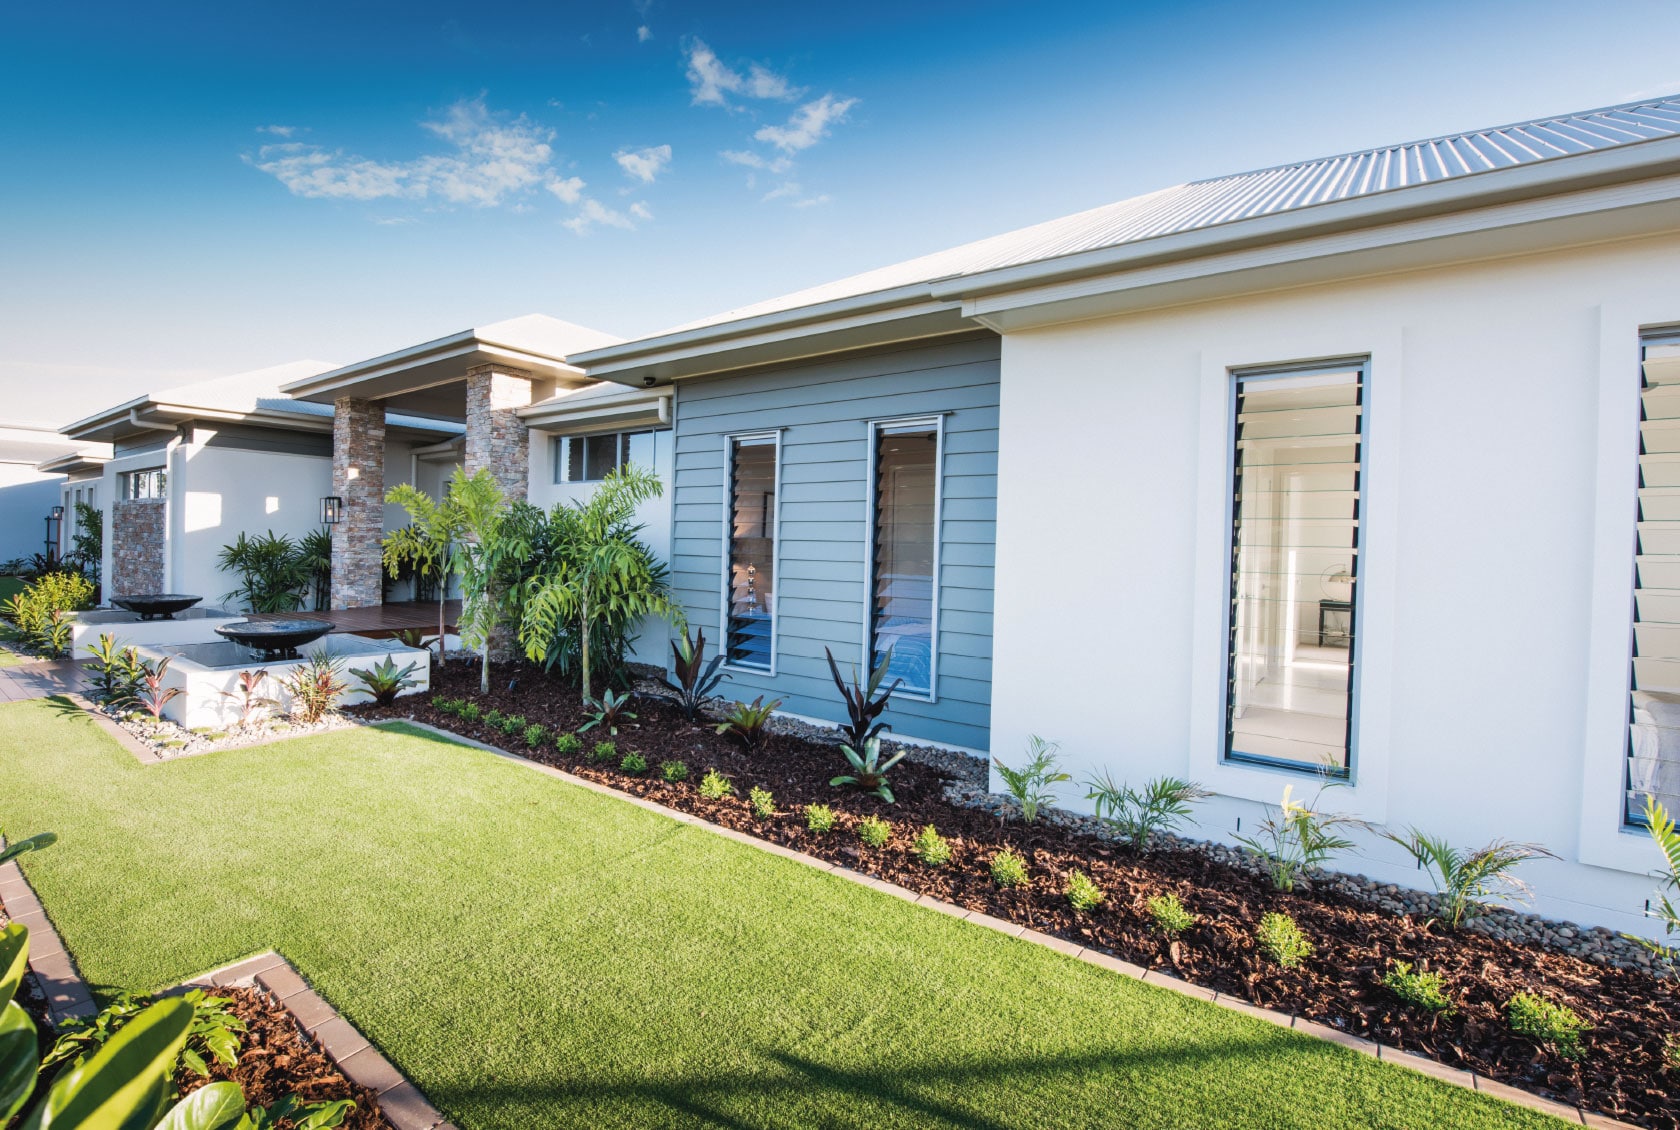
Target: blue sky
{"x":193,"y":189}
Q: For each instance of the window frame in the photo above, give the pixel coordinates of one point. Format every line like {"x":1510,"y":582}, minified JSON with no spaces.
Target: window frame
{"x":560,"y":449}
{"x":872,"y":435}
{"x":1228,"y":756}
{"x":727,"y":531}
{"x":129,"y":478}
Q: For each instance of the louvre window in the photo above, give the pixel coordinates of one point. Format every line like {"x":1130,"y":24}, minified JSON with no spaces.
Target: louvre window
{"x":1295,"y":521}
{"x":589,"y":459}
{"x":905,"y":550}
{"x":1653,"y":765}
{"x":750,"y":599}
{"x":144,"y":484}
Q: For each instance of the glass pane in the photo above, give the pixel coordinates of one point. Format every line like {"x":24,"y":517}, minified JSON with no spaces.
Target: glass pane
{"x":638,"y":449}
{"x":600,"y":456}
{"x":752,"y":551}
{"x":1294,"y":567}
{"x":574,"y":459}
{"x":1654,"y":682}
{"x":906,"y":472}
{"x":558,"y":446}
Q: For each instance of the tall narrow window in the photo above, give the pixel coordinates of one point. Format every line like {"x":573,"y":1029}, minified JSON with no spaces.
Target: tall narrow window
{"x":1653,"y":767}
{"x":749,"y":628}
{"x":1294,"y":568}
{"x":905,"y":552}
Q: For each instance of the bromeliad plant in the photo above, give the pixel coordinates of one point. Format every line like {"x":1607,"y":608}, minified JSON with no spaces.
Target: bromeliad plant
{"x":1030,"y":784}
{"x":863,"y":707}
{"x":610,"y":712}
{"x":385,"y":680}
{"x":697,"y":680}
{"x":1466,"y":879}
{"x":1136,"y":815}
{"x":1297,"y":837}
{"x":749,"y":722}
{"x":315,"y":687}
{"x":869,"y":772}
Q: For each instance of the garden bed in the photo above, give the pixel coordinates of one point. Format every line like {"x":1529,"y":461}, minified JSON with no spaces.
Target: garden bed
{"x":1624,"y":1068}
{"x":168,"y":739}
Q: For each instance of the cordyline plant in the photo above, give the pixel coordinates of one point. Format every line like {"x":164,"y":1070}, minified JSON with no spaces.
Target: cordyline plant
{"x":116,"y":670}
{"x":315,"y":687}
{"x":152,"y":695}
{"x":862,"y":706}
{"x":697,"y":680}
{"x":247,"y":695}
{"x":1466,"y":879}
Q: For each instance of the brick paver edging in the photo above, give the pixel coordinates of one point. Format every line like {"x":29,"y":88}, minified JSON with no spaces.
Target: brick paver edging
{"x":1458,"y":1077}
{"x":55,"y":971}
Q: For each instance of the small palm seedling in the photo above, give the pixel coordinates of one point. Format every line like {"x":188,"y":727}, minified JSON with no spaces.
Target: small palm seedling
{"x":930,"y":847}
{"x":384,"y":681}
{"x":863,"y":706}
{"x":248,"y":697}
{"x":633,"y":763}
{"x":116,"y":670}
{"x":315,"y":687}
{"x":1282,"y":940}
{"x":749,"y":722}
{"x":610,"y":712}
{"x":1667,"y":838}
{"x":1030,"y":784}
{"x":153,"y":696}
{"x":1082,"y":893}
{"x":1136,"y":815}
{"x":874,"y":832}
{"x":1008,"y":868}
{"x":761,"y":801}
{"x":1546,"y":1023}
{"x":697,"y":680}
{"x":1169,"y":914}
{"x":1466,"y":879}
{"x":569,"y":744}
{"x":1421,"y":989}
{"x":869,"y":772}
{"x":819,"y":818}
{"x":1297,"y":837}
{"x":715,"y":786}
{"x":673,"y":771}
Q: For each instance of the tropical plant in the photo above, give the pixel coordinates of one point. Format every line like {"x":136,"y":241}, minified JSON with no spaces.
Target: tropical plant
{"x":152,"y":696}
{"x":762,"y":802}
{"x":294,"y":1113}
{"x":23,"y":847}
{"x":1030,"y":784}
{"x":819,"y":818}
{"x":749,"y":722}
{"x":715,"y":786}
{"x":275,"y":573}
{"x":315,"y":551}
{"x":1423,"y":989}
{"x":609,"y":712}
{"x":1136,"y":815}
{"x":1169,"y":914}
{"x":413,"y":637}
{"x":426,"y":545}
{"x":869,"y":772}
{"x":1282,"y":940}
{"x":493,"y":544}
{"x":212,"y":1036}
{"x":673,"y":771}
{"x":1082,"y":893}
{"x":42,"y":612}
{"x":1663,"y":833}
{"x":697,"y":680}
{"x":315,"y":686}
{"x":1466,"y":879}
{"x":385,"y":680}
{"x":874,"y":832}
{"x":87,"y":548}
{"x":116,"y":670}
{"x":633,"y":763}
{"x":1008,"y":868}
{"x":1546,"y":1022}
{"x":1296,"y":837}
{"x":600,"y":580}
{"x":247,"y":695}
{"x":863,"y":707}
{"x":930,"y":847}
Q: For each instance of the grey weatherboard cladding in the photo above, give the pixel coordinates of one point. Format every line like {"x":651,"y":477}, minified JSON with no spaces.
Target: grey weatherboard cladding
{"x":822,"y":409}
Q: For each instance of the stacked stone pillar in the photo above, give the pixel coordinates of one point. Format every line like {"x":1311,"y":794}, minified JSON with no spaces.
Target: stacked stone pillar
{"x":496,"y":437}
{"x":358,"y":479}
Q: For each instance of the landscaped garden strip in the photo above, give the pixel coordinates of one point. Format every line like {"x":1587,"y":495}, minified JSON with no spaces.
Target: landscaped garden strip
{"x":530,"y":953}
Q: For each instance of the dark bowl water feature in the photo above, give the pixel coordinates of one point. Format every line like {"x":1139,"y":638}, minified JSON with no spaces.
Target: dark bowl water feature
{"x":275,"y":639}
{"x":156,"y":605}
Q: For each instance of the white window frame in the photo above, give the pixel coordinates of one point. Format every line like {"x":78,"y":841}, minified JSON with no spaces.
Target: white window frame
{"x":559,"y":449}
{"x":873,"y":439}
{"x":127,"y":484}
{"x":727,"y":530}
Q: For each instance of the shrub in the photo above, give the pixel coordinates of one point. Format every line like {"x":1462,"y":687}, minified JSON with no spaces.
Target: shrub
{"x":385,"y":681}
{"x":749,"y":723}
{"x":315,"y":686}
{"x":697,"y":680}
{"x":1282,"y":940}
{"x":819,"y":818}
{"x":1546,"y":1023}
{"x":445,"y":705}
{"x":1009,"y":869}
{"x":535,"y":735}
{"x":1137,"y":814}
{"x":513,"y":724}
{"x":633,"y":763}
{"x":715,"y":786}
{"x":763,"y":804}
{"x":868,"y":773}
{"x":673,"y":771}
{"x":930,"y":847}
{"x":493,"y":719}
{"x":1465,"y":879}
{"x":874,"y":832}
{"x":470,"y":712}
{"x":41,"y":612}
{"x":568,"y":744}
{"x":610,"y":712}
{"x":1423,"y":989}
{"x":1082,"y":893}
{"x":603,"y":751}
{"x":116,"y":670}
{"x":275,"y":573}
{"x":1667,"y":838}
{"x":1030,"y":784}
{"x":862,"y":705}
{"x":1169,"y":914}
{"x":1297,"y":837}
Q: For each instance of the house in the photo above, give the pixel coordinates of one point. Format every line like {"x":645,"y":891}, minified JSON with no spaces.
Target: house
{"x":1362,"y":467}
{"x":191,"y":468}
{"x":30,"y":487}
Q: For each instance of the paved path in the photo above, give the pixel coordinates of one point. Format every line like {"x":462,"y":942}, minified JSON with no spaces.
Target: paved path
{"x":41,"y":679}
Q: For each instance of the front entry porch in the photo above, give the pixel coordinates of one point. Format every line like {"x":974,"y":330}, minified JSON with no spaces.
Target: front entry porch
{"x":379,"y":620}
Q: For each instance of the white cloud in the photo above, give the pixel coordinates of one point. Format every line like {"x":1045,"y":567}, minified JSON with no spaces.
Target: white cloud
{"x":569,"y":189}
{"x":794,"y":193}
{"x":495,"y":158}
{"x":592,"y":214}
{"x":711,"y":80}
{"x":640,"y":211}
{"x":751,"y":160}
{"x":809,"y":124}
{"x":643,"y":164}
{"x":278,"y":131}
{"x":643,"y":34}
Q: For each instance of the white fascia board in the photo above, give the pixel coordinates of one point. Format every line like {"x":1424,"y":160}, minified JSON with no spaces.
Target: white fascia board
{"x":466,"y":347}
{"x":438,"y":348}
{"x":112,"y":415}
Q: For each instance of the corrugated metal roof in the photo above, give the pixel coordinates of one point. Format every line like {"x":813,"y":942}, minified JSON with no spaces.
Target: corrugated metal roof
{"x":1244,"y":196}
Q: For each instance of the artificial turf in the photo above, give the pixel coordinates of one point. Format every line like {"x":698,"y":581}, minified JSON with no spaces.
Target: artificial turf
{"x":533,"y":954}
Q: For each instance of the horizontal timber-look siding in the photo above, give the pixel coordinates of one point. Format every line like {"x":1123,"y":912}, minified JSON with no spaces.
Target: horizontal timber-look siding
{"x":822,"y":410}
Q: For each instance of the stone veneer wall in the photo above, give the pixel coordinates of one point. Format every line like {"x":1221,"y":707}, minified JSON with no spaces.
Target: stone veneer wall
{"x":138,"y":527}
{"x":358,"y":479}
{"x":496,"y":437}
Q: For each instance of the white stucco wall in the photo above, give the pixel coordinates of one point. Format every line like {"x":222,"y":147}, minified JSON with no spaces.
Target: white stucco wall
{"x":26,"y":497}
{"x":1501,"y":444}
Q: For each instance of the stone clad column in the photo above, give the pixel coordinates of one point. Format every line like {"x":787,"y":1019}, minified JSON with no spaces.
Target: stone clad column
{"x":496,"y":437}
{"x":359,"y":479}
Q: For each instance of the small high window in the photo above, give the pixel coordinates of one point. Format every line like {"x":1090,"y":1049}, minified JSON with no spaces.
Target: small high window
{"x":750,"y":578}
{"x":150,"y":483}
{"x":589,"y":459}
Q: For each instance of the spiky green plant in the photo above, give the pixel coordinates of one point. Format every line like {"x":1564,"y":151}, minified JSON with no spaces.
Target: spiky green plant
{"x":1030,"y":784}
{"x":1466,"y":879}
{"x":869,"y":772}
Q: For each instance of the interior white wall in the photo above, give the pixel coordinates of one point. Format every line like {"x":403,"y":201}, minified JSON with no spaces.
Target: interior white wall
{"x":1485,"y":451}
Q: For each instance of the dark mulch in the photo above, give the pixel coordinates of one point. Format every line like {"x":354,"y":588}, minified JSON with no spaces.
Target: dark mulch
{"x":276,"y":1060}
{"x":1622,"y":1069}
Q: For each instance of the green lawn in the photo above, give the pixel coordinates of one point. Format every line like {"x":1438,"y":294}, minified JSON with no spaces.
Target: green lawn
{"x":536,"y":955}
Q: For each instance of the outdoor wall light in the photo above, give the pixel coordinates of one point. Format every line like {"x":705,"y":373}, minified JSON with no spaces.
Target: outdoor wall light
{"x":332,"y":510}
{"x":57,"y":513}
